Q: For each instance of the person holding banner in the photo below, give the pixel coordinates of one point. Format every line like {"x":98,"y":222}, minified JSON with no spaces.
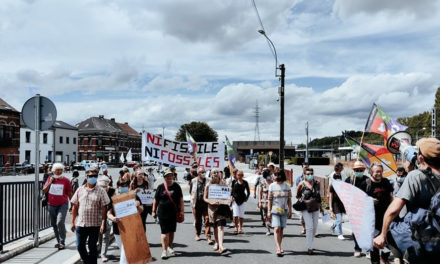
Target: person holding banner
{"x":168,"y":202}
{"x":382,"y":192}
{"x":239,"y":196}
{"x":59,"y":192}
{"x":217,"y":212}
{"x":308,"y":191}
{"x":358,"y":180}
{"x":336,"y":208}
{"x":139,"y":184}
{"x":199,"y":206}
{"x":279,"y":207}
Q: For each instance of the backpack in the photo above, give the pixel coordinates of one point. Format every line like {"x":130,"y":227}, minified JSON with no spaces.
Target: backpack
{"x":418,"y":235}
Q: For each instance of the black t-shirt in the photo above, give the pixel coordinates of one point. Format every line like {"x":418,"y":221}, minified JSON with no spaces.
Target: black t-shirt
{"x":337,"y":205}
{"x":165,"y":208}
{"x":382,"y":192}
{"x":359,"y":181}
{"x":238,"y":192}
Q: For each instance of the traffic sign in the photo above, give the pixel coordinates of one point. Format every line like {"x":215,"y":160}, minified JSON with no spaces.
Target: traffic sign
{"x":48,"y":113}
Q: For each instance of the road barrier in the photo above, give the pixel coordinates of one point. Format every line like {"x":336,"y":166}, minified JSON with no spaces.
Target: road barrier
{"x":16,"y":211}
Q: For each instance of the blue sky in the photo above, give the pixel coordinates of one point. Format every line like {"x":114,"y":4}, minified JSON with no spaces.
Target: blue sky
{"x":158,"y":64}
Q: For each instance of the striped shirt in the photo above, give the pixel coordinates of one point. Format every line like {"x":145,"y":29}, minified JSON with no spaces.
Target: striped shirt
{"x":90,"y":203}
{"x":279,"y":194}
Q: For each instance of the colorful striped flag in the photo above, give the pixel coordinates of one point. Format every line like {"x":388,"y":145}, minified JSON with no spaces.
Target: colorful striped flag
{"x":192,"y":146}
{"x":231,"y":155}
{"x":380,"y":123}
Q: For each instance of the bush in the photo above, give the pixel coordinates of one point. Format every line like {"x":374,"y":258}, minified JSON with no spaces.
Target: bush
{"x":312,"y":160}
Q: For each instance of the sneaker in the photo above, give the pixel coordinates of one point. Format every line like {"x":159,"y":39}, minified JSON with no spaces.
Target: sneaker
{"x":310,"y":252}
{"x":341,"y":237}
{"x":164,"y":255}
{"x":357,"y":254}
{"x":268,"y":233}
{"x":367,"y":255}
{"x":170,"y":252}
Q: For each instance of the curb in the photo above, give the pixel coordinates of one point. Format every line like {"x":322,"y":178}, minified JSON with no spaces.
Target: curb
{"x":29,"y":245}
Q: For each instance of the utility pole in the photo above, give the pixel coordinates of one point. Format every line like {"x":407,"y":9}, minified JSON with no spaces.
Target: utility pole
{"x":307,"y":142}
{"x":283,"y":70}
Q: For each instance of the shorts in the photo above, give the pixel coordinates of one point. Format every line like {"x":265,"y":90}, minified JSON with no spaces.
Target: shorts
{"x":221,"y":222}
{"x":167,"y":225}
{"x":279,"y":220}
{"x":238,"y":210}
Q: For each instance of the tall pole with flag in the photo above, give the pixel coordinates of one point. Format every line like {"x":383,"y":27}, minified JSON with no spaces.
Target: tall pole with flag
{"x":231,"y":155}
{"x":192,"y":146}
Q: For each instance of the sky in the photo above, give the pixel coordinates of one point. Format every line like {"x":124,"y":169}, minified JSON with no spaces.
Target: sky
{"x":160,"y":64}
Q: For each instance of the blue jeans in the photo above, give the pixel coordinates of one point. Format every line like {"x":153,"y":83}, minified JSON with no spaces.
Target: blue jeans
{"x":82,"y":234}
{"x":338,"y":224}
{"x":57,"y":216}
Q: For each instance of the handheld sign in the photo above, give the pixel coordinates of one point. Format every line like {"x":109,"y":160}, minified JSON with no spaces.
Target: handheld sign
{"x":146,"y":196}
{"x":132,"y":232}
{"x":219,"y":193}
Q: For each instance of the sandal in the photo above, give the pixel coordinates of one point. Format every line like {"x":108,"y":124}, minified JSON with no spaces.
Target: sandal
{"x":215,"y":247}
{"x":221,"y":250}
{"x":61,"y":247}
{"x":235,"y":232}
{"x":241,"y":232}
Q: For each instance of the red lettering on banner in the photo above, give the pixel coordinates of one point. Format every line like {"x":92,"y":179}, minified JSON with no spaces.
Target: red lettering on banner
{"x":186,"y":160}
{"x":216,"y":162}
{"x":171,"y":156}
{"x":179,"y":159}
{"x":207,"y":163}
{"x":162,"y":153}
{"x":153,"y":139}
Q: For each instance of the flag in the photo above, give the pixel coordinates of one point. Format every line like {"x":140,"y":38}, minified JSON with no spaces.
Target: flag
{"x":129,"y":157}
{"x":121,"y":158}
{"x":370,"y":153}
{"x":192,"y":146}
{"x":380,"y":123}
{"x":231,"y":155}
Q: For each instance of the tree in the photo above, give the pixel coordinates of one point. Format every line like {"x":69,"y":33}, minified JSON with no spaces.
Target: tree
{"x":200,"y":131}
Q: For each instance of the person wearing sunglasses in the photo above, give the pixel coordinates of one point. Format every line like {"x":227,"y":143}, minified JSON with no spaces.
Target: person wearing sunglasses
{"x":89,"y":216}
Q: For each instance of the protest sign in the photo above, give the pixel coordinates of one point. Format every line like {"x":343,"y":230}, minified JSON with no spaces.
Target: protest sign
{"x":360,"y":210}
{"x":155,"y":148}
{"x":146,"y":196}
{"x":219,"y":193}
{"x":134,"y":242}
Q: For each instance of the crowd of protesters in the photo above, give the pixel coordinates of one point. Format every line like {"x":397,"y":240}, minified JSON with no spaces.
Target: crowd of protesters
{"x":94,"y":220}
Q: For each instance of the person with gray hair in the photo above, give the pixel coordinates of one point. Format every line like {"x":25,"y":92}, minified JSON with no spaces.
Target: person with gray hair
{"x":59,"y":192}
{"x":199,"y":206}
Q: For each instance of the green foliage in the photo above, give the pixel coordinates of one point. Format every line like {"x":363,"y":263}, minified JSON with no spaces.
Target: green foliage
{"x":200,"y":131}
{"x":416,"y":124}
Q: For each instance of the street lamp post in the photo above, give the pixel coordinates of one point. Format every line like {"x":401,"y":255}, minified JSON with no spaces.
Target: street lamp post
{"x":281,"y":93}
{"x":417,"y":134}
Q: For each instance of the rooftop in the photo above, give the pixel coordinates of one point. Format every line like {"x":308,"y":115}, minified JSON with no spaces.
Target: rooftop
{"x":6,"y":106}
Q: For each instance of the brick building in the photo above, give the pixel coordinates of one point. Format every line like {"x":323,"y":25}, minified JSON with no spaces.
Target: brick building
{"x":9,"y":134}
{"x":105,"y":139}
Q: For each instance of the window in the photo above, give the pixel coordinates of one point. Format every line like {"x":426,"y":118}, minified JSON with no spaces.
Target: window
{"x":27,"y":156}
{"x":61,"y":140}
{"x":90,"y":140}
{"x":1,"y":132}
{"x":10,"y":132}
{"x":74,"y":155}
{"x":28,"y":137}
{"x":89,"y":155}
{"x":49,"y":156}
{"x":44,"y":138}
{"x":81,"y":141}
{"x":67,"y":140}
{"x":99,"y":141}
{"x":74,"y":140}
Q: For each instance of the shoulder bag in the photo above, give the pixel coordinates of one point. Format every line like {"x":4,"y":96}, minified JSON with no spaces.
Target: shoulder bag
{"x":179,"y":218}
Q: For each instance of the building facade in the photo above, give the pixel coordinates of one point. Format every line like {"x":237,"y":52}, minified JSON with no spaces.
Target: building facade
{"x":65,"y":142}
{"x":102,"y":139}
{"x":245,"y":149}
{"x":9,"y":134}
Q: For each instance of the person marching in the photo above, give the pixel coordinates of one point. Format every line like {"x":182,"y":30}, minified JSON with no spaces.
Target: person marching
{"x":279,"y":208}
{"x":168,"y":201}
{"x":217,"y":213}
{"x":139,"y":184}
{"x":308,"y":191}
{"x":199,"y":206}
{"x":239,"y":196}
{"x":59,"y":192}
{"x":336,"y":208}
{"x":263,"y":195}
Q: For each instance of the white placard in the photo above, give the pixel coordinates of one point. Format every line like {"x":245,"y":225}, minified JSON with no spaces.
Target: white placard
{"x":56,"y":189}
{"x":146,"y":196}
{"x":219,"y":192}
{"x":125,"y":208}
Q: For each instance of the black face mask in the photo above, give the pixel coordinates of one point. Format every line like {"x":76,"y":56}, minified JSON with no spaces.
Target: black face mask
{"x":337,"y":176}
{"x":194,"y":173}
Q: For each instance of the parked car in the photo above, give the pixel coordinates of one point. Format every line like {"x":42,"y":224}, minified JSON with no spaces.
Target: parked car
{"x":131,"y":163}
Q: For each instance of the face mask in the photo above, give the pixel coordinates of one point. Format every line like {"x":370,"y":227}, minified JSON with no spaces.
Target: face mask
{"x":123,"y":189}
{"x":309,"y":177}
{"x":56,"y":176}
{"x":358,"y":174}
{"x":337,"y":177}
{"x":92,"y":180}
{"x":400,"y":179}
{"x":194,"y":173}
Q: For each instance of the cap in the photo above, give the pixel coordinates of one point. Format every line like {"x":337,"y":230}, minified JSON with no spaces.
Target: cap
{"x":358,"y":165}
{"x":93,"y":168}
{"x":125,"y":168}
{"x":429,"y":147}
{"x":167,"y":171}
{"x":271,"y":164}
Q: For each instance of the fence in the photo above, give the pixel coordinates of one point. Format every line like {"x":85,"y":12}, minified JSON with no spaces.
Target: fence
{"x":17,"y":211}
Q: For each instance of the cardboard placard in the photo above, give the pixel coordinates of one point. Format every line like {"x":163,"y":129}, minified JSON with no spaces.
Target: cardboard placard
{"x":219,"y":193}
{"x":134,"y":240}
{"x":146,"y":196}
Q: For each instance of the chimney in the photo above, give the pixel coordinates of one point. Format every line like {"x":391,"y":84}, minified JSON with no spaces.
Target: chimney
{"x":101,"y":116}
{"x":126,"y":123}
{"x":112,"y":119}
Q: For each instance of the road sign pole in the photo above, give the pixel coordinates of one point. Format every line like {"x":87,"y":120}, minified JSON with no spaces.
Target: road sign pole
{"x":37,"y":172}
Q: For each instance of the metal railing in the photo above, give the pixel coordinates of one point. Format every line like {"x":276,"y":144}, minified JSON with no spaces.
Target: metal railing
{"x":16,"y":211}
